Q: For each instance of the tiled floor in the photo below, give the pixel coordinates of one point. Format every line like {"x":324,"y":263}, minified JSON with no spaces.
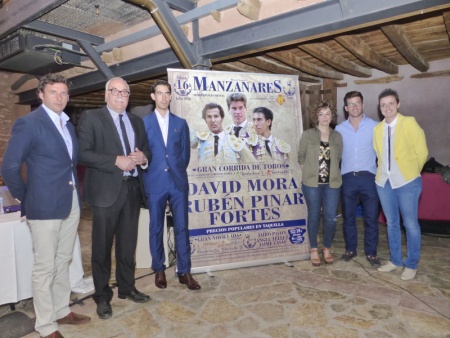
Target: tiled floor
{"x":340,"y":300}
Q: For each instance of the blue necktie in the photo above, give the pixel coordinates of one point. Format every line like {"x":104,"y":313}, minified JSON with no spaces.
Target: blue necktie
{"x":125,"y":139}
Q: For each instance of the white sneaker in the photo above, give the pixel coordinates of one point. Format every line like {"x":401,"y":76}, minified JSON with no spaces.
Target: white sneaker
{"x":85,"y":287}
{"x":408,"y":274}
{"x":388,"y":267}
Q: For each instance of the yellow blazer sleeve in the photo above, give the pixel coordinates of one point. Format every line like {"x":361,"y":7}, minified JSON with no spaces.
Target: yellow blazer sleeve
{"x":419,"y":142}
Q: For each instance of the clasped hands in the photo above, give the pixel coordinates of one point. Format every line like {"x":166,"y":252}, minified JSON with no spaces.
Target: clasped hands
{"x":127,"y":163}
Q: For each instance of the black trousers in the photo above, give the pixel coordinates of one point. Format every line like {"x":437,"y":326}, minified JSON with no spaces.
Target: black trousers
{"x":119,"y":221}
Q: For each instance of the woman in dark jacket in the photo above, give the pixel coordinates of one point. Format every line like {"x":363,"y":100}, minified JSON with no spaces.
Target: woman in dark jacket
{"x":319,"y":156}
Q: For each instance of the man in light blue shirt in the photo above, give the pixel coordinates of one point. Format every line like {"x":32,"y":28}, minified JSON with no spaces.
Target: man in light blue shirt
{"x":358,"y":178}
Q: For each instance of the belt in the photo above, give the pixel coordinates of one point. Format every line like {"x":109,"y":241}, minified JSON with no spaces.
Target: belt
{"x":358,"y":173}
{"x":129,"y":178}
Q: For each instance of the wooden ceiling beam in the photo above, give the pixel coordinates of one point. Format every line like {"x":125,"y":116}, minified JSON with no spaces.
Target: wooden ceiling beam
{"x":278,"y":68}
{"x":396,"y":34}
{"x":386,"y":79}
{"x":237,"y":67}
{"x":446,"y":16}
{"x":16,"y":13}
{"x":330,"y":57}
{"x":305,"y":66}
{"x":355,"y":45}
{"x":431,"y":74}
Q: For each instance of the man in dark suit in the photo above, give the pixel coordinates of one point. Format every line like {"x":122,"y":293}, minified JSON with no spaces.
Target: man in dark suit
{"x":166,"y":181}
{"x":45,"y":141}
{"x":113,"y":147}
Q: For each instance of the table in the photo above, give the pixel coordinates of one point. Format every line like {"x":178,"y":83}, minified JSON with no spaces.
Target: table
{"x":17,"y":258}
{"x":143,"y":256}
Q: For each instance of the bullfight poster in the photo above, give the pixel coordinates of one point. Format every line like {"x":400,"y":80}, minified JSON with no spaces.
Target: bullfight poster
{"x":245,"y":202}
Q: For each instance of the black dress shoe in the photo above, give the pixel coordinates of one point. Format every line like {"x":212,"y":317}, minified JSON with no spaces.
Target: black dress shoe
{"x":135,"y":296}
{"x":374,"y":261}
{"x":348,"y":256}
{"x":160,"y":280}
{"x":190,"y":282}
{"x":104,"y":310}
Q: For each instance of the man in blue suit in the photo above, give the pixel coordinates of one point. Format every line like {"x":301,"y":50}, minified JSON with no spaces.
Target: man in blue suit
{"x":166,"y":181}
{"x":45,"y":141}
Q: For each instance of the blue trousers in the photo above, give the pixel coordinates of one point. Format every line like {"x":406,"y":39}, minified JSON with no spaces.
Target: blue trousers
{"x":326,"y":198}
{"x":354,"y":188}
{"x":404,"y":201}
{"x":157,"y":207}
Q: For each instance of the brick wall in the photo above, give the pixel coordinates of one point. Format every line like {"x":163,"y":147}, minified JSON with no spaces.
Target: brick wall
{"x":9,"y":110}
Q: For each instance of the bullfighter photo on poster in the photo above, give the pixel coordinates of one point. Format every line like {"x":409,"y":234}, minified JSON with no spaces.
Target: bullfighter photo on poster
{"x":245,"y":201}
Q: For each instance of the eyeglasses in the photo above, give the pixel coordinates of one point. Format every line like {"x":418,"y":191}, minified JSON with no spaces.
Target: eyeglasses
{"x":356,"y":104}
{"x":115,"y":92}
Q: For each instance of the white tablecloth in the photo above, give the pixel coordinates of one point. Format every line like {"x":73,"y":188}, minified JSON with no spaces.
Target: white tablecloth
{"x":16,"y":256}
{"x":143,"y":256}
{"x":16,"y":260}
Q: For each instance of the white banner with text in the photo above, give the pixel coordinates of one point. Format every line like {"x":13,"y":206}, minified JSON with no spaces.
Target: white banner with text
{"x":245,"y":202}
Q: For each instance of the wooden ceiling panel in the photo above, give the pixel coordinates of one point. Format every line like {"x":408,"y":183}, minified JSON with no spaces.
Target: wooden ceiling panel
{"x":417,"y":39}
{"x":335,"y":60}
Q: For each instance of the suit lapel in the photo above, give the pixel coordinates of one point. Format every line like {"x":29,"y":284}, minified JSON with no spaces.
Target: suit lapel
{"x":50,"y":126}
{"x":398,"y":128}
{"x":135,"y":129}
{"x":71,"y":129}
{"x":171,"y":128}
{"x":156,"y":129}
{"x":109,"y":125}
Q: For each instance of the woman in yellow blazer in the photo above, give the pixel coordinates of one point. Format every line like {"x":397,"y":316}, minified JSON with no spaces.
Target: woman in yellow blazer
{"x":401,"y":148}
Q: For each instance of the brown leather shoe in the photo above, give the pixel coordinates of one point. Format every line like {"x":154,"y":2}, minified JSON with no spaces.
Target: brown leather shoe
{"x":74,"y":319}
{"x":160,"y":280}
{"x":190,"y":282}
{"x":55,"y":334}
